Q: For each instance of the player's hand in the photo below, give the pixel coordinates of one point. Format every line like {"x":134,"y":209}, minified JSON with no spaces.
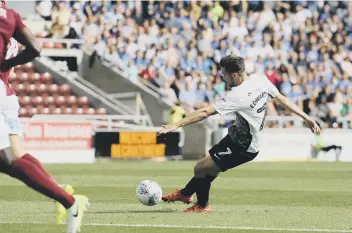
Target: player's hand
{"x":313,"y":126}
{"x":167,"y":129}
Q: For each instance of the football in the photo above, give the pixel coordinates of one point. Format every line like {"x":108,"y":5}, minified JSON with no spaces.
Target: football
{"x":149,"y":192}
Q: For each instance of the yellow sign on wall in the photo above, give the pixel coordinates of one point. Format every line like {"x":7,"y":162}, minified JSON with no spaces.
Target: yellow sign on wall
{"x":137,"y":151}
{"x":137,"y":145}
{"x":137,"y":138}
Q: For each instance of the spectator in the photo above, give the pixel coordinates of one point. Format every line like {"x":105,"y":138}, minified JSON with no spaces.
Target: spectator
{"x":148,"y":73}
{"x":113,"y":56}
{"x":219,"y":86}
{"x":168,"y":92}
{"x":132,"y":69}
{"x":273,"y":76}
{"x":62,"y":15}
{"x":305,"y":54}
{"x":44,"y":9}
{"x":188,"y":95}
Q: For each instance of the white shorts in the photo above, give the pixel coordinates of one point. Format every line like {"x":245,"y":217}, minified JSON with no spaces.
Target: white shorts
{"x":10,"y":112}
{"x":9,"y":121}
{"x":4,"y":129}
{"x":4,"y":133}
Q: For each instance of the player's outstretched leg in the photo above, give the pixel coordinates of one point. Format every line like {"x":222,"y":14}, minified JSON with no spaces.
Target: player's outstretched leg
{"x":60,"y":210}
{"x":36,"y":179}
{"x":185,"y":195}
{"x":223,"y":156}
{"x":18,"y":151}
{"x":207,"y":170}
{"x":36,"y":162}
{"x":178,"y":196}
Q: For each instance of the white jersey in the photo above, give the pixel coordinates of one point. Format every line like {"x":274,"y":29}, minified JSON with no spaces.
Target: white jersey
{"x":250,"y":101}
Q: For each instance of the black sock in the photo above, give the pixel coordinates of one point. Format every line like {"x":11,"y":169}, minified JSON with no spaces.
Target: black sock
{"x":191,"y":187}
{"x":203,"y":190}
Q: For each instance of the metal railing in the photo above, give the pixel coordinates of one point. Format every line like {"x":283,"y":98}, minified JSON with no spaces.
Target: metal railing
{"x":134,"y":96}
{"x":143,"y":84}
{"x":68,"y":42}
{"x":345,"y":121}
{"x":106,"y":122}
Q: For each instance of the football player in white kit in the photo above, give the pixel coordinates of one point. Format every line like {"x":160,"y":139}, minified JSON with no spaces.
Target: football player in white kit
{"x":248,"y":100}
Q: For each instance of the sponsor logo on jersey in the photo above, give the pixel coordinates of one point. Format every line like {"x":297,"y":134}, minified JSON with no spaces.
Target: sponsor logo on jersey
{"x":258,"y":98}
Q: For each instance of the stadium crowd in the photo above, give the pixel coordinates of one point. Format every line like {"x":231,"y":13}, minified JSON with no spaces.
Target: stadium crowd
{"x":303,"y":47}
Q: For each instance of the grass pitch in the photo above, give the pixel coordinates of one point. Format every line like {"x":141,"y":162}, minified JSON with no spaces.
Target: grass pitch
{"x":254,"y":198}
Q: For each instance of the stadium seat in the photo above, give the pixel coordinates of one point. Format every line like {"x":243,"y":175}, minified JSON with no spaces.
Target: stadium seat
{"x":78,"y":111}
{"x":28,"y":67}
{"x":46,"y":78}
{"x":89,"y":111}
{"x":32,"y":88}
{"x":53,"y":88}
{"x":33,"y":111}
{"x":60,"y":100}
{"x":82,"y":101}
{"x":35,"y":77}
{"x":100,"y":111}
{"x":22,"y":112}
{"x":68,"y":111}
{"x":71,"y":100}
{"x":64,"y":89}
{"x":40,"y":109}
{"x":38,"y":100}
{"x":23,"y":77}
{"x":38,"y":95}
{"x":57,"y":111}
{"x":13,"y":77}
{"x":45,"y":111}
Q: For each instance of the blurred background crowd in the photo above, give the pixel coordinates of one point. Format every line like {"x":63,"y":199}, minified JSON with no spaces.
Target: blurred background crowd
{"x":303,"y":47}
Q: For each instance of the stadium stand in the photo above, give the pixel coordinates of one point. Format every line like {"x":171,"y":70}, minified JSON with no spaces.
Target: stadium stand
{"x":38,"y":94}
{"x":302,"y":46}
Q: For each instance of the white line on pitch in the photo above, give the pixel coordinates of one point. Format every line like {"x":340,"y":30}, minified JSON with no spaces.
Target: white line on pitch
{"x":199,"y":227}
{"x":221,"y":227}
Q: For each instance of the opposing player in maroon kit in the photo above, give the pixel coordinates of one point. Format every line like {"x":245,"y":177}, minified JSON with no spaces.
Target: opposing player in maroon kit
{"x":14,"y":161}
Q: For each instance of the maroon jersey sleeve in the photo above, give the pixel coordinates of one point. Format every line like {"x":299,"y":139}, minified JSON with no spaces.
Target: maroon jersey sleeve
{"x":19,"y":24}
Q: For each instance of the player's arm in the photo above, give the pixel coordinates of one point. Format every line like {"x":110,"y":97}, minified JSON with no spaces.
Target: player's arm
{"x":295,"y":109}
{"x":31,"y":51}
{"x":192,"y":118}
{"x":32,"y":46}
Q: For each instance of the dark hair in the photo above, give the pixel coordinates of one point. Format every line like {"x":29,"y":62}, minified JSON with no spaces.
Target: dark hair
{"x":233,"y":64}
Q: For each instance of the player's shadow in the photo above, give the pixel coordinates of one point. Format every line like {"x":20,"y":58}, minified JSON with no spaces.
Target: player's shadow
{"x":133,"y":211}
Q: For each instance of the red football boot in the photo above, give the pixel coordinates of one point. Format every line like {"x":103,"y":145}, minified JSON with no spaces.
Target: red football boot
{"x":196,"y":208}
{"x":177,"y":196}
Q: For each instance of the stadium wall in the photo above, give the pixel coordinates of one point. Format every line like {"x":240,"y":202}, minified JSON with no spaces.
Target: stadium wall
{"x":59,"y":141}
